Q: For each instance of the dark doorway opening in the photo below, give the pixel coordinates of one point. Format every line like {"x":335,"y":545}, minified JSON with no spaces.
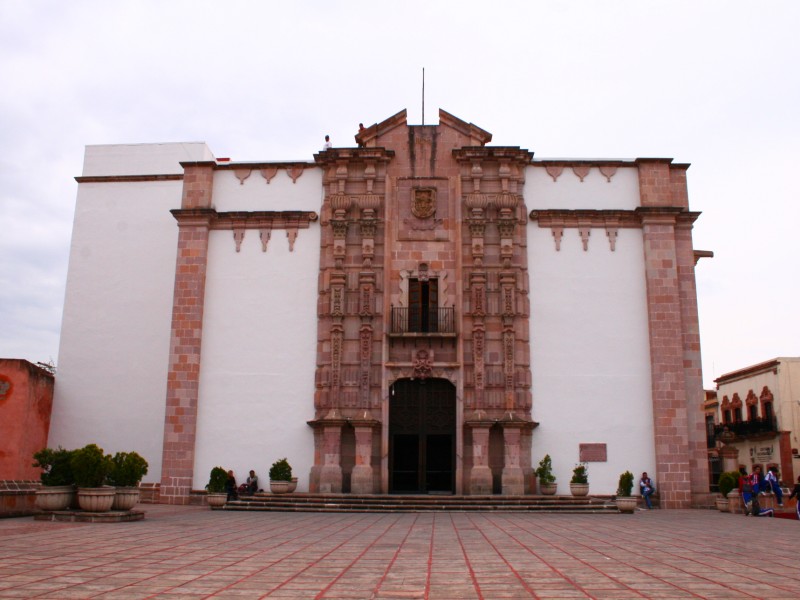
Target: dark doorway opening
{"x":422,"y":440}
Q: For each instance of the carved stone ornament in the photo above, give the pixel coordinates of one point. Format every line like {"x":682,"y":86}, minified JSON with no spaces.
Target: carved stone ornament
{"x":422,"y":364}
{"x":423,"y":202}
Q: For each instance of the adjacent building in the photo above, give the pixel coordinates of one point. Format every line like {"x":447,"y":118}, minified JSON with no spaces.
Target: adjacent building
{"x":760,"y":406}
{"x":420,"y":313}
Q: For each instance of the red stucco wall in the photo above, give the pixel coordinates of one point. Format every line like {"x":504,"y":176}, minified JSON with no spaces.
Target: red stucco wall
{"x":26,"y":400}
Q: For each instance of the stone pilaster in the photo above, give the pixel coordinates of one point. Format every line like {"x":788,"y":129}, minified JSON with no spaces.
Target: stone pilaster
{"x":513,"y":478}
{"x":670,"y":411}
{"x":361,"y":479}
{"x":330,"y":475}
{"x":480,"y":477}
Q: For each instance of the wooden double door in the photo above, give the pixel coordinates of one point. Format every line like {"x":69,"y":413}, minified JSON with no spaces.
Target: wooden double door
{"x":422,"y":444}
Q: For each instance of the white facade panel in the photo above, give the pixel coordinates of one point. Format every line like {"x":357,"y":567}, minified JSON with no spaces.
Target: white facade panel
{"x":142,"y":159}
{"x":113,"y":359}
{"x":254,"y":194}
{"x":595,"y":192}
{"x":590,"y":354}
{"x":258,"y":356}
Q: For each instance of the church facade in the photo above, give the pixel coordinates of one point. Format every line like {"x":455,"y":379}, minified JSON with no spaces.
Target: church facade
{"x":422,"y":313}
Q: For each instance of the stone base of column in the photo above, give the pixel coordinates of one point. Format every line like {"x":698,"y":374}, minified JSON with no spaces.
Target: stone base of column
{"x":313,"y":479}
{"x":361,"y":480}
{"x":513,"y":481}
{"x":480,"y":481}
{"x":330,"y":479}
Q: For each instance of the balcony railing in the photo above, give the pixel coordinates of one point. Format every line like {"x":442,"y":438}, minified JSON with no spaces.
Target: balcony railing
{"x":749,"y":428}
{"x":416,"y":320}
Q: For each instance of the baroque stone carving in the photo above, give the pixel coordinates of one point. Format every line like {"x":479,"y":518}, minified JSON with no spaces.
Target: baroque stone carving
{"x":422,"y":364}
{"x":423,"y":202}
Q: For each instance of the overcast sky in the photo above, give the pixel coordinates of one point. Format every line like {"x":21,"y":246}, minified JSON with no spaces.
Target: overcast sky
{"x":714,"y":84}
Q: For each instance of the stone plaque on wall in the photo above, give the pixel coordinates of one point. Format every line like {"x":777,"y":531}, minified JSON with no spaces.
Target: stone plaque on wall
{"x":593,"y":453}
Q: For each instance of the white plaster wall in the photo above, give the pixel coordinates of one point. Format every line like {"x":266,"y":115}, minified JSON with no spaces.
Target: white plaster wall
{"x":258,"y":355}
{"x":114,"y":348}
{"x":568,"y":192}
{"x":255,"y":194}
{"x":590,"y":354}
{"x":142,"y":159}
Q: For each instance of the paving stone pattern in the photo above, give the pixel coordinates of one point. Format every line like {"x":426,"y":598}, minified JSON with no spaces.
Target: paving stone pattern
{"x":193,"y":552}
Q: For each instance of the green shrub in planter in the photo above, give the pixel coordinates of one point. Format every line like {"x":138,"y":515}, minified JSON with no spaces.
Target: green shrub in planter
{"x":57,"y":465}
{"x":127,"y":469}
{"x":728,"y":481}
{"x":217,"y":480}
{"x":280,"y":471}
{"x":625,"y":486}
{"x":545,"y":471}
{"x":90,"y":466}
{"x":580,"y":474}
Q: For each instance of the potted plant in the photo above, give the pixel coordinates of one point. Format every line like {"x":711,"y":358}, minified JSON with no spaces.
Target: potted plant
{"x":91,"y":468}
{"x":127,"y":470}
{"x":626,"y":503}
{"x":280,"y":476}
{"x":579,"y":484}
{"x":544,"y":473}
{"x":216,"y":496}
{"x":727,"y":483}
{"x":58,"y":482}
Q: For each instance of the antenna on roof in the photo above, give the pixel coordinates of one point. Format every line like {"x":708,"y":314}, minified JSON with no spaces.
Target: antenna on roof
{"x":423,"y":95}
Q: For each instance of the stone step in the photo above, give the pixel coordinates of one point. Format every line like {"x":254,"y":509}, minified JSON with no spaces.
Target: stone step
{"x":417,"y":503}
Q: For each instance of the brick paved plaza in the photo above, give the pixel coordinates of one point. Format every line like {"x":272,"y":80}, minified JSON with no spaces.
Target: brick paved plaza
{"x":193,"y":552}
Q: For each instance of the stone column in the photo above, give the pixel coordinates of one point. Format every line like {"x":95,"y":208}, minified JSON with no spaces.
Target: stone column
{"x":480,"y":479}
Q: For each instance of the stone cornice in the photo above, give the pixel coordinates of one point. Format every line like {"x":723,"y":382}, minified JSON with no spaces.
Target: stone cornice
{"x":335,"y":155}
{"x":247,"y":220}
{"x":765,"y":367}
{"x":512,"y":153}
{"x":127,"y":178}
{"x":583,"y":218}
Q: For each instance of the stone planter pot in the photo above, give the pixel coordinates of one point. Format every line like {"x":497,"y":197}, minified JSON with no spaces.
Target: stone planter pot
{"x":626,"y":504}
{"x":548,"y":489}
{"x":723,"y":505}
{"x":279,"y":487}
{"x":579,"y":489}
{"x":96,"y":499}
{"x":58,"y":497}
{"x":125,"y":498}
{"x":216,"y":500}
{"x":293,"y":484}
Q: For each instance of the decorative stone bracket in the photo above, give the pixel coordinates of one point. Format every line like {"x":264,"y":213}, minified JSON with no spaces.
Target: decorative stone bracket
{"x":264,"y":221}
{"x":610,"y":220}
{"x":580,"y":169}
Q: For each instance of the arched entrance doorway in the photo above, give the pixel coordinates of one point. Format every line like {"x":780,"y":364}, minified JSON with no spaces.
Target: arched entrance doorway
{"x":422,"y":436}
